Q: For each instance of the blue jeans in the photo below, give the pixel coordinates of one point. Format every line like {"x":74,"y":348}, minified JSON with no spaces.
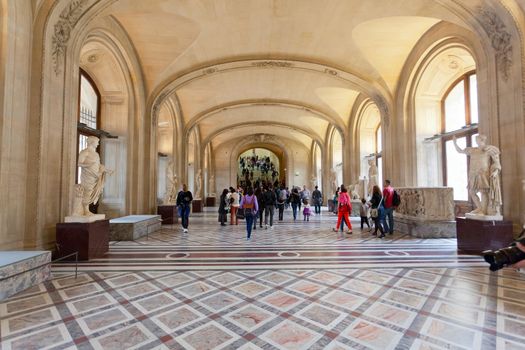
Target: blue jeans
{"x":184,"y":213}
{"x":389,"y":213}
{"x":249,"y":225}
{"x":294,"y":210}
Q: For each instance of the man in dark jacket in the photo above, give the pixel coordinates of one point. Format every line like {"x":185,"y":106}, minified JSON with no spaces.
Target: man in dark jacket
{"x":269,"y":199}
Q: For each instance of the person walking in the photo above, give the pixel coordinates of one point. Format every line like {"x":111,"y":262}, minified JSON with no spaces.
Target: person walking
{"x":378,"y":211}
{"x":251,"y":206}
{"x":270,"y":199}
{"x":259,"y":193}
{"x":224,"y":206}
{"x":184,"y":199}
{"x":344,"y":209}
{"x":295,"y":201}
{"x":363,"y":212}
{"x":281,"y":201}
{"x":317,"y":198}
{"x":388,"y":196}
{"x":306,"y":210}
{"x":234,"y":205}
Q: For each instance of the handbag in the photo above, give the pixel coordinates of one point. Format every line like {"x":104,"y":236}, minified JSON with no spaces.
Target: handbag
{"x":374,"y":212}
{"x":240,"y":213}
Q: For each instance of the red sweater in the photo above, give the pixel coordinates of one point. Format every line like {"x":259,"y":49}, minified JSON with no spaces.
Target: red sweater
{"x":388,"y":196}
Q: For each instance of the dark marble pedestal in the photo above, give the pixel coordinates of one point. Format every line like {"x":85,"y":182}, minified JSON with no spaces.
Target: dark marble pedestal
{"x":210,"y":201}
{"x":475,"y":236}
{"x":196,"y":206}
{"x":90,"y":240}
{"x":168,"y":213}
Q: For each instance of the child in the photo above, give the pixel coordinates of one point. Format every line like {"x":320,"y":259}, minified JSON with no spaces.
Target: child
{"x":306,"y":210}
{"x":363,"y":212}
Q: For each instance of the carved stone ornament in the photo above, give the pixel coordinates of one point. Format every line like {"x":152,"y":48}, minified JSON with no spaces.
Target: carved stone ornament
{"x":62,"y":30}
{"x":500,"y":39}
{"x":271,"y":64}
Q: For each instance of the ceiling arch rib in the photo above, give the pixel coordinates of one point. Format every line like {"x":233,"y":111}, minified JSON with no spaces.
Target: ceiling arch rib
{"x":297,"y":108}
{"x":351,"y":80}
{"x":249,"y":129}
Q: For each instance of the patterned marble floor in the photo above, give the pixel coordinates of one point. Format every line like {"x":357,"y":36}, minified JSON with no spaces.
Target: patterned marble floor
{"x":297,"y":286}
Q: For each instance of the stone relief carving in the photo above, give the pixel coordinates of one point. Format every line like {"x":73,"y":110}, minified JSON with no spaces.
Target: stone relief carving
{"x":62,"y":30}
{"x":435,"y":203}
{"x":331,"y":71}
{"x":500,"y":39}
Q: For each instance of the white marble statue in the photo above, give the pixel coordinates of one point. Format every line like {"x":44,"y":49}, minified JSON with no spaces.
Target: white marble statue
{"x":372,"y":175}
{"x":198,"y":184}
{"x":483,"y":178}
{"x":172,"y":184}
{"x":333,"y":180}
{"x":211,"y":188}
{"x":92,"y":175}
{"x":78,"y":209}
{"x":313,"y":182}
{"x":353,"y":190}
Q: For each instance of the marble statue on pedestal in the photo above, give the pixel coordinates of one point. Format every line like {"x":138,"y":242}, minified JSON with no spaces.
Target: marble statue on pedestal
{"x":483,"y":178}
{"x":353,"y":190}
{"x":372,"y":175}
{"x":172,"y":183}
{"x":333,"y":180}
{"x":211,"y":188}
{"x":198,"y":184}
{"x":313,"y":182}
{"x":92,"y":179}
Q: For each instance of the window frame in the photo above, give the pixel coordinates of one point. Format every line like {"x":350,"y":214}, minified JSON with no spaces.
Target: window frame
{"x":83,"y":130}
{"x":468,"y":133}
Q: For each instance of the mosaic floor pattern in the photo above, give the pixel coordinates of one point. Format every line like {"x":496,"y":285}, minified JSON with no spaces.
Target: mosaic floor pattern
{"x":297,"y":286}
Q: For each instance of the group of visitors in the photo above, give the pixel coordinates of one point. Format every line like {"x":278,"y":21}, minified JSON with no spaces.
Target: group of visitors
{"x":380,"y":208}
{"x":263,"y":201}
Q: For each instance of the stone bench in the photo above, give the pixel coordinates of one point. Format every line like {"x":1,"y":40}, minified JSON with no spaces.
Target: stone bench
{"x":20,"y":270}
{"x":132,"y":227}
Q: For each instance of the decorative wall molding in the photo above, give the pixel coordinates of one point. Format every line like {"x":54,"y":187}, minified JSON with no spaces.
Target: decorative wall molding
{"x":62,"y":31}
{"x":383,"y":109}
{"x":500,"y":39}
{"x":272,"y":64}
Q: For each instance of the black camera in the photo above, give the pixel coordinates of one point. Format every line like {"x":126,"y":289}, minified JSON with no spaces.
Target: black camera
{"x":505,"y":256}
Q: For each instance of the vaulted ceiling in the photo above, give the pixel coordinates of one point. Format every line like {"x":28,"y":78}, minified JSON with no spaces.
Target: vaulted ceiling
{"x":369,"y":40}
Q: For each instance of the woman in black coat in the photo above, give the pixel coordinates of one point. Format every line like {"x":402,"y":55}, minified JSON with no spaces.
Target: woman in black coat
{"x":224,"y":205}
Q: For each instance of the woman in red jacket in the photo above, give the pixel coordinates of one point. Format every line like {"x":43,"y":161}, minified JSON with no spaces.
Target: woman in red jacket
{"x":344,"y":210}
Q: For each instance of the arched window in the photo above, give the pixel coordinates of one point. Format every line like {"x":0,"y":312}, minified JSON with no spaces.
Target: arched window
{"x":379,"y":154}
{"x":88,"y":112}
{"x":459,"y":118}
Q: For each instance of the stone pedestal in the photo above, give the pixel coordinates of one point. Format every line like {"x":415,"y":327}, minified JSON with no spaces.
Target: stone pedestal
{"x":210,"y":201}
{"x":20,"y":270}
{"x":426,"y":212}
{"x":91,"y":218}
{"x":168,"y":214}
{"x":196,"y":206}
{"x":90,"y":240}
{"x":132,"y":227}
{"x":475,"y":236}
{"x":356,"y":205}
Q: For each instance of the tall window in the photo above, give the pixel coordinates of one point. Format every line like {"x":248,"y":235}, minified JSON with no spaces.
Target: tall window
{"x":460,"y":119}
{"x":88,"y":112}
{"x":379,"y":155}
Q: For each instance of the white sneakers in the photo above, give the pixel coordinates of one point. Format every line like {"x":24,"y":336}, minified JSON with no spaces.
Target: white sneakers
{"x":185,"y":230}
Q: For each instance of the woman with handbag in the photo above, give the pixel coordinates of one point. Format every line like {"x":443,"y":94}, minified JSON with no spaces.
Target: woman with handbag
{"x":378,"y":211}
{"x":224,"y":205}
{"x":344,"y":209}
{"x":249,"y":206}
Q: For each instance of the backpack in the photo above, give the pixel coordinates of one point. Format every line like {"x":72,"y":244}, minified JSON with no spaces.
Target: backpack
{"x":282,"y":195}
{"x":269,"y":198}
{"x":396,"y":199}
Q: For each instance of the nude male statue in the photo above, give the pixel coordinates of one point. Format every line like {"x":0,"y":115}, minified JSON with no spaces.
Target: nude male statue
{"x":483,"y":176}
